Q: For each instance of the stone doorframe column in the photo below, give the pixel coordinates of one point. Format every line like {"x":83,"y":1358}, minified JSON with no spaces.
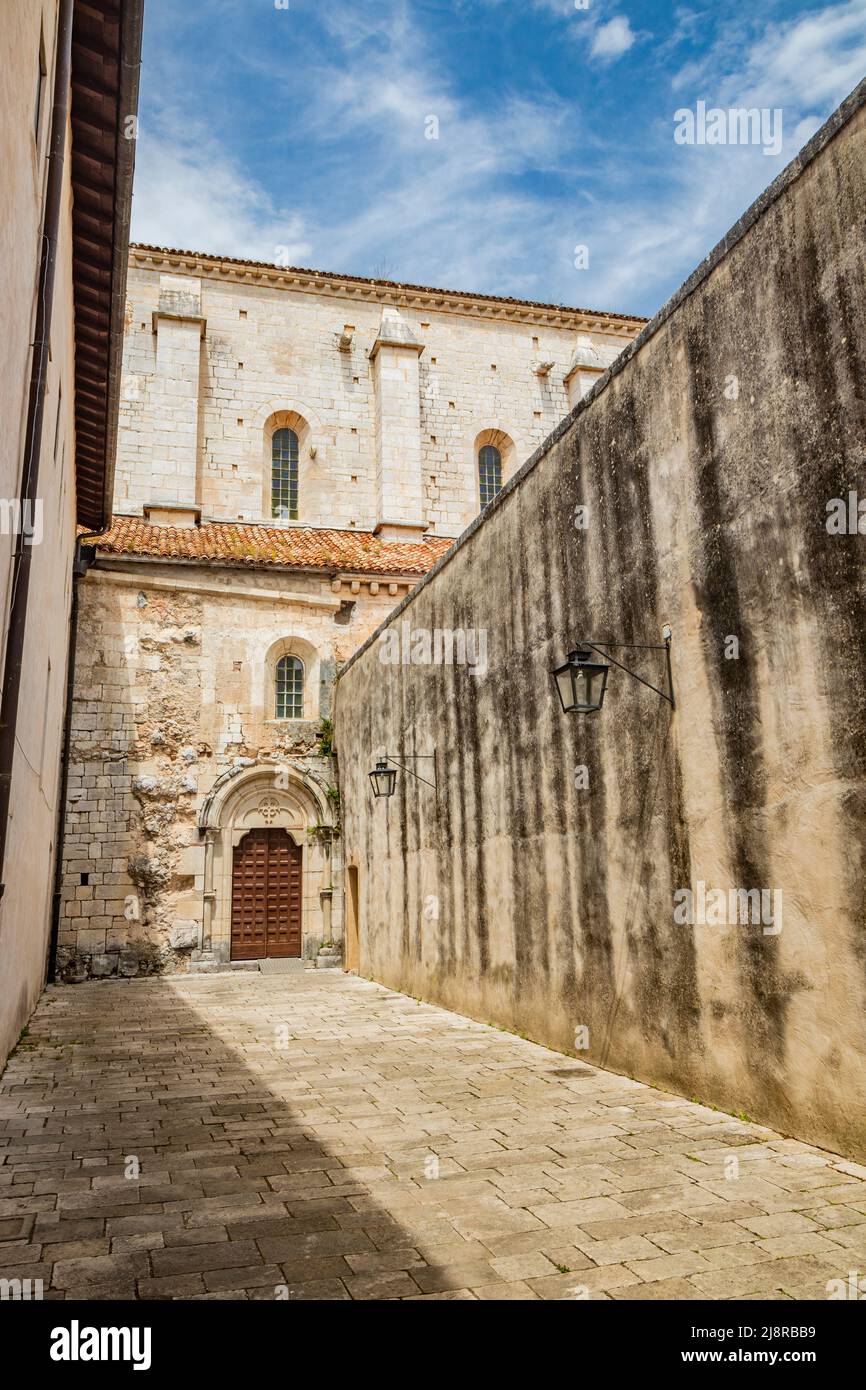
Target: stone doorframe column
{"x":207,"y":916}
{"x":285,"y":796}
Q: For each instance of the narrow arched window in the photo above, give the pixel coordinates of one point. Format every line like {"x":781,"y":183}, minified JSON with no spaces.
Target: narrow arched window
{"x":290,"y":688}
{"x":284,"y":475}
{"x":489,"y":473}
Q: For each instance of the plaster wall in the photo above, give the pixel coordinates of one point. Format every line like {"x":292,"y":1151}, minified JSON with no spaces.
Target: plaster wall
{"x":27,"y":45}
{"x":538,"y":886}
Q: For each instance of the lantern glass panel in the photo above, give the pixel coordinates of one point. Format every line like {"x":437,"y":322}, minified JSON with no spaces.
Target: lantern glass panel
{"x":581,"y":683}
{"x":564,"y":686}
{"x":595,"y":681}
{"x":383,"y":779}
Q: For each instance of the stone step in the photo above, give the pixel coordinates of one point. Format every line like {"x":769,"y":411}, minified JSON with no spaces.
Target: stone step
{"x":283,"y":965}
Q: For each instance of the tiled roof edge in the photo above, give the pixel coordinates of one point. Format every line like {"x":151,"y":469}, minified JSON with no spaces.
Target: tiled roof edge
{"x":134,"y":538}
{"x":401,"y":287}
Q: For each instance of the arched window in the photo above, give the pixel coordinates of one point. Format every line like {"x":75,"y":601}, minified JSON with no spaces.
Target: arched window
{"x":290,"y":688}
{"x":284,"y":475}
{"x":489,"y":473}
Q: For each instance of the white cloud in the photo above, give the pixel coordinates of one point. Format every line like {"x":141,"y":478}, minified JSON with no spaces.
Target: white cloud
{"x":499,"y":201}
{"x":613,"y":39}
{"x":443,"y":211}
{"x":440,"y":211}
{"x":560,"y":9}
{"x":808,"y":63}
{"x":375,"y":195}
{"x":805,"y":66}
{"x":190,"y":194}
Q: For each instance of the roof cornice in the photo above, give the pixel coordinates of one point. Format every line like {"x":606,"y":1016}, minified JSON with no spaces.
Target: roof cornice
{"x":381,"y":292}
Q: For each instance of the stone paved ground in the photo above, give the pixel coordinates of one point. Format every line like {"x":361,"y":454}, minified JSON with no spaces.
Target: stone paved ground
{"x":288,"y":1131}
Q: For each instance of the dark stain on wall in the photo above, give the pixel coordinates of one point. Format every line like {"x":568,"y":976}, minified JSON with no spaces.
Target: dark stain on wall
{"x":720,"y":566}
{"x":707,"y":510}
{"x":645,"y":765}
{"x":828,"y":441}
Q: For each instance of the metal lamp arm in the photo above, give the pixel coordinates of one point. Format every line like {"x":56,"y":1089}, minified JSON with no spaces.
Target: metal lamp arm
{"x":637,"y":646}
{"x":414,"y":757}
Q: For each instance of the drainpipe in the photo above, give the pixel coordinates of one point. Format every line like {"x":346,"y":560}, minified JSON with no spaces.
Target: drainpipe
{"x":21,"y":560}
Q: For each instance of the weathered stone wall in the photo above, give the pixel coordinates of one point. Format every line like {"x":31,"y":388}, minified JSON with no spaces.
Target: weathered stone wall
{"x":174,"y":698}
{"x":215,"y":350}
{"x":518,"y":894}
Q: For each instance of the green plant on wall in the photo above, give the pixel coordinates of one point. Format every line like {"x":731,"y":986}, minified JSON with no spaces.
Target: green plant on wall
{"x":324,"y":833}
{"x":325,"y":735}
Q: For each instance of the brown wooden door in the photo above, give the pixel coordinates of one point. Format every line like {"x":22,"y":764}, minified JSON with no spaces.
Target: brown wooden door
{"x":266,"y":896}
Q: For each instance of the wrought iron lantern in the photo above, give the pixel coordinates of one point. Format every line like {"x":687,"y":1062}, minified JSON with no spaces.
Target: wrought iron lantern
{"x":384,"y":778}
{"x":384,"y":774}
{"x":581,"y":682}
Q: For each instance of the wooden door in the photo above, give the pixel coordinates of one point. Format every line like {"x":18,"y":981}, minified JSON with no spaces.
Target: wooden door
{"x":266,"y":896}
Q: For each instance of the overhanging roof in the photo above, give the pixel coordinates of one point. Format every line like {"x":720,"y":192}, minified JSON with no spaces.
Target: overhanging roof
{"x":106,"y":54}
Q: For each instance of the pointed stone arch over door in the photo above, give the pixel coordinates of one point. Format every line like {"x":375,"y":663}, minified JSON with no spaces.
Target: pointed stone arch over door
{"x":266,"y":896}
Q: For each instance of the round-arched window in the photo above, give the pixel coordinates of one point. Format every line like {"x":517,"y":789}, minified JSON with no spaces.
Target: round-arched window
{"x":489,"y":473}
{"x":289,"y":688}
{"x":284,"y":475}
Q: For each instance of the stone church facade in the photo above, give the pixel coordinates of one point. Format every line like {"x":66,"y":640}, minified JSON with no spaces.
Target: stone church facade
{"x":296,"y":450}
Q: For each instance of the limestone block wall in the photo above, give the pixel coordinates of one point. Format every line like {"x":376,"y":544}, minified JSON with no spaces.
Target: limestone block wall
{"x":545,"y":884}
{"x":178,"y":329}
{"x":298,"y":346}
{"x":174,"y":704}
{"x":399,"y":488}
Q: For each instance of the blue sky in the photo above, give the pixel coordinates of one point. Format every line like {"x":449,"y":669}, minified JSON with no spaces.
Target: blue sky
{"x":300,"y":134}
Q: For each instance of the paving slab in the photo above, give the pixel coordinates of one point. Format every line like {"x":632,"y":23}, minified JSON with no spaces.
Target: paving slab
{"x":161,"y":1139}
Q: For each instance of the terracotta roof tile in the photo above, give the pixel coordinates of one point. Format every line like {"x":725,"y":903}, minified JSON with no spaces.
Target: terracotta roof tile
{"x":296,"y":547}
